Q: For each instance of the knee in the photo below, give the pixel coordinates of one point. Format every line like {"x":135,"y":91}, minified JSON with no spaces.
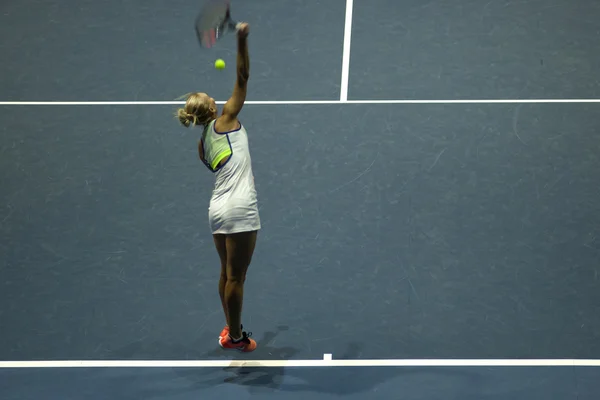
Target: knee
{"x":235,"y":274}
{"x":236,"y":279}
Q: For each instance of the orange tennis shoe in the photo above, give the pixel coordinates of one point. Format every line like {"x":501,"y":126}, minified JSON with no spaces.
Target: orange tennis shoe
{"x":224,"y":332}
{"x":245,"y":344}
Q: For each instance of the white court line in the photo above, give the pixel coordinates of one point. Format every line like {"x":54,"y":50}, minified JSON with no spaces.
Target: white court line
{"x":301,"y":102}
{"x":346,"y":52}
{"x":326,"y":362}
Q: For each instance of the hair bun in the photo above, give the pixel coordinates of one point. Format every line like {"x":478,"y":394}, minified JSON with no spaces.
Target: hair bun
{"x":192,"y":118}
{"x":184,"y":118}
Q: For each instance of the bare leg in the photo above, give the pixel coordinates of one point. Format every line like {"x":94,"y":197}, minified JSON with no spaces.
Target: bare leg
{"x":240,"y":248}
{"x":222,"y":250}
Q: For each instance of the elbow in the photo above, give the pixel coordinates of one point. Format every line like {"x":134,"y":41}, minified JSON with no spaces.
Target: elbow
{"x":243,"y":76}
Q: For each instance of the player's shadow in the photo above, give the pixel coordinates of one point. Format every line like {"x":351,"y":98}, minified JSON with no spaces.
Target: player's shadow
{"x":331,"y":380}
{"x":338,"y":381}
{"x":201,"y":379}
{"x":257,"y":376}
{"x":341,"y":381}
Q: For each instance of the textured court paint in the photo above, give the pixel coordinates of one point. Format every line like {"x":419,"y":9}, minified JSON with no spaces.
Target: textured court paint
{"x":450,"y":231}
{"x":297,"y":384}
{"x":464,"y":49}
{"x":147,"y":49}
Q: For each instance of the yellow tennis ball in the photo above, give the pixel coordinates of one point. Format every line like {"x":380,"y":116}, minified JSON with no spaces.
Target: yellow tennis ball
{"x":219,"y":64}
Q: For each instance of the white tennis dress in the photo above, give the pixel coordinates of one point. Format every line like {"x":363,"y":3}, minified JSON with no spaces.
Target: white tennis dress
{"x":233,"y":205}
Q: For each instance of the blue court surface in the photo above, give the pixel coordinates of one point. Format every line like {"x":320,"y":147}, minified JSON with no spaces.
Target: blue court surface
{"x":427,"y":174}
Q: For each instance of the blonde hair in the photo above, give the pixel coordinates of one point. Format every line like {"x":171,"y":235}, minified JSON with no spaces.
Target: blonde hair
{"x":197,"y":110}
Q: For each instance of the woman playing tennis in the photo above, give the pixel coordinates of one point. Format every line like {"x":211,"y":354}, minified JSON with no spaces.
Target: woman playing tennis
{"x":233,"y":210}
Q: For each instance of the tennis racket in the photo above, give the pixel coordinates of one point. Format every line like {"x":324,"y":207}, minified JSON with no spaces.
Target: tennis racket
{"x":213,"y":22}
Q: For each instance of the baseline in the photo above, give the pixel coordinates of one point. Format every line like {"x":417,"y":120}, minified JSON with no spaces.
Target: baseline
{"x":302,"y":102}
{"x":327,"y":361}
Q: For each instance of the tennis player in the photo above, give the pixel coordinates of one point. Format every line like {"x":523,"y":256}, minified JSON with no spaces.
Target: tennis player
{"x":233,"y":210}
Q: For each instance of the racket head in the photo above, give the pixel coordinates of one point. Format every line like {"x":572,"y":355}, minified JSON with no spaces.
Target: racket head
{"x":213,"y":22}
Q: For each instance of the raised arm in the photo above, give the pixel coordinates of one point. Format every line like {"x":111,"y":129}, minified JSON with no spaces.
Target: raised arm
{"x":235,"y":103}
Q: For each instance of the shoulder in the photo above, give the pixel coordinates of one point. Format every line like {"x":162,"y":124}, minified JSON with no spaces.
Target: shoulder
{"x":227,"y":125}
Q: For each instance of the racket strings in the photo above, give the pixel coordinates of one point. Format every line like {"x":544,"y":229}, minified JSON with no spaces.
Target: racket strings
{"x":213,"y":22}
{"x":209,"y":38}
